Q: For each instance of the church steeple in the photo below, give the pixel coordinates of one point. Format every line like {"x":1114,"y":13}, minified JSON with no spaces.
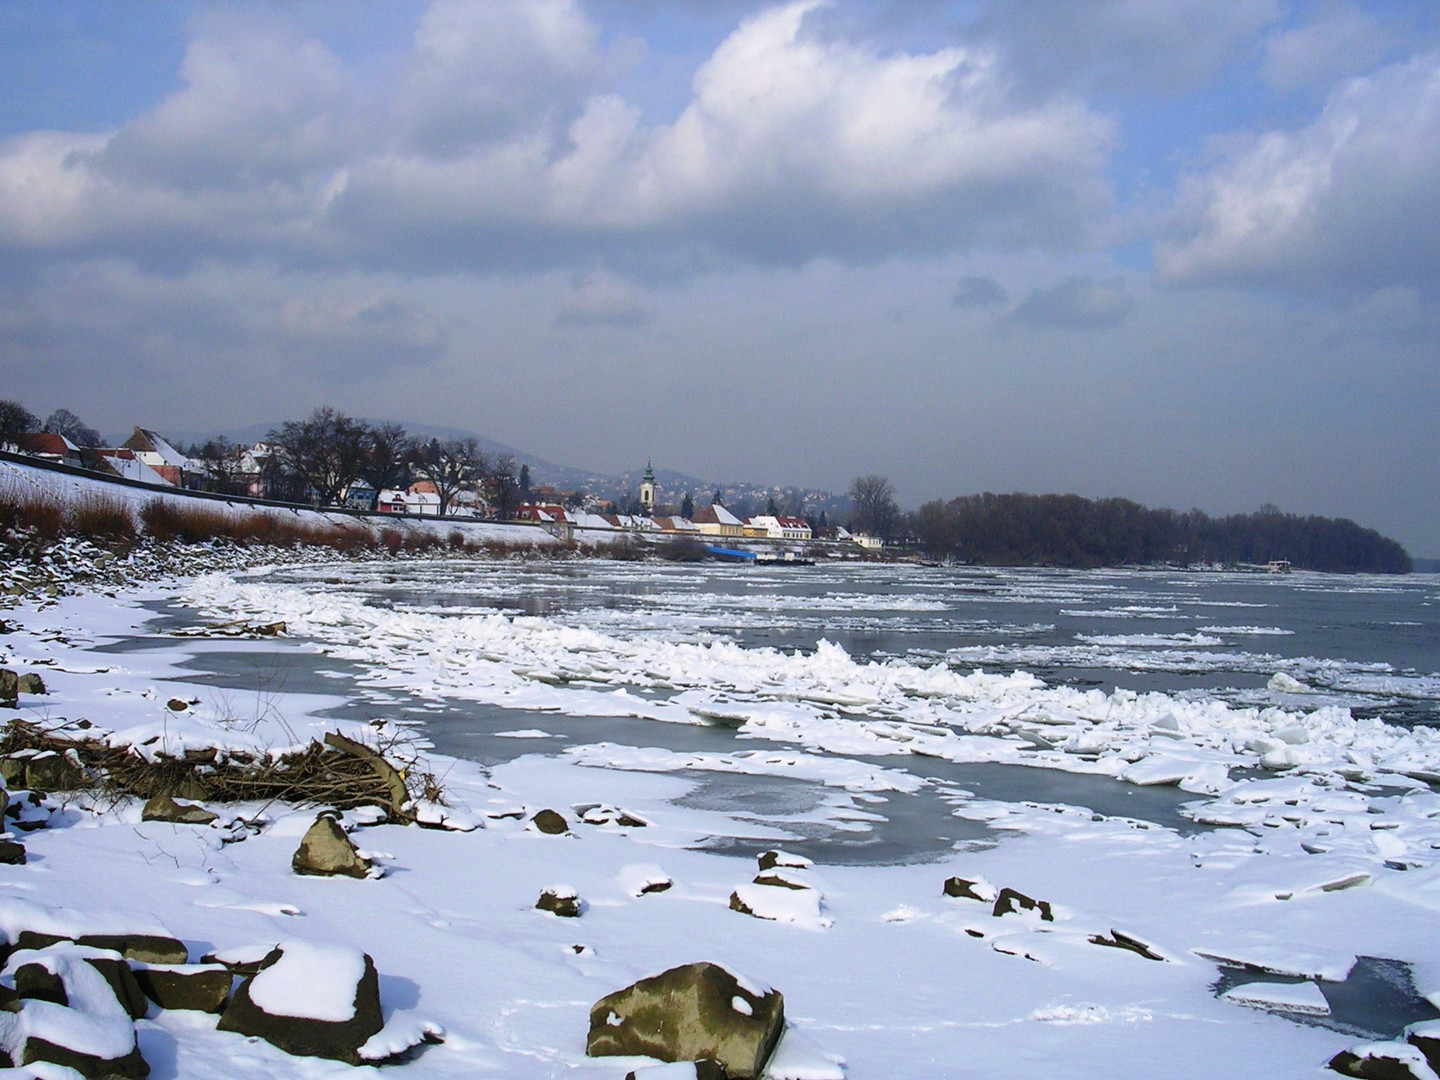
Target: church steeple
{"x":647,"y":489}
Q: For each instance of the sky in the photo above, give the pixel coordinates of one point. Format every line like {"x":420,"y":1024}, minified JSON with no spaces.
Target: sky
{"x":1177,"y":251}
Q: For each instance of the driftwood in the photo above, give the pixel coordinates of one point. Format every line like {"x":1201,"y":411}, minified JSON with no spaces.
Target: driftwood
{"x":339,"y":772}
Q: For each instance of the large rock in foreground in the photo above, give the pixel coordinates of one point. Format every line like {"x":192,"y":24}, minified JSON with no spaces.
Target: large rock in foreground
{"x":690,"y":1013}
{"x":311,"y":1000}
{"x":326,"y":851}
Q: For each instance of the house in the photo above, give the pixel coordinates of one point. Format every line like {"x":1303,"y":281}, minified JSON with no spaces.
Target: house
{"x":715,"y":520}
{"x":869,"y":543}
{"x":151,"y":448}
{"x":780,"y":528}
{"x":358,"y":496}
{"x":48,"y":445}
{"x":124,"y":463}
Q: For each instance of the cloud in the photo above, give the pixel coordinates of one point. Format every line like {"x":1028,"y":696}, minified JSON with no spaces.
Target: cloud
{"x":981,"y":292}
{"x":1345,"y":42}
{"x":1077,"y":303}
{"x":498,"y":147}
{"x":1351,"y":201}
{"x":600,"y":300}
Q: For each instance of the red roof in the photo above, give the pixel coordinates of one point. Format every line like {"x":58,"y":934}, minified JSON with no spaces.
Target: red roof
{"x":47,"y":443}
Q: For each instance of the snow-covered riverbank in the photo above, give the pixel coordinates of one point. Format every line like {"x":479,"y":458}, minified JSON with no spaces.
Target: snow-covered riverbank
{"x":1326,"y":862}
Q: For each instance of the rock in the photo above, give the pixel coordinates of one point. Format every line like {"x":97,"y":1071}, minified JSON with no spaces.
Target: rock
{"x":326,"y":851}
{"x":176,"y":704}
{"x":245,"y":960}
{"x":51,"y":771}
{"x":769,"y":860}
{"x":164,"y":808}
{"x":200,"y":987}
{"x":12,"y":853}
{"x":655,"y":886}
{"x":30,"y":683}
{"x":550,"y":823}
{"x":690,"y":1013}
{"x":132,"y":1065}
{"x":1425,"y":1037}
{"x":12,"y":770}
{"x":779,"y":881}
{"x":36,"y":982}
{"x":1118,"y":940}
{"x":962,"y":888}
{"x":704,"y":1069}
{"x":147,"y":948}
{"x":1009,"y":901}
{"x":303,"y":962}
{"x":122,"y":980}
{"x":560,"y":900}
{"x":1381,"y":1061}
{"x":9,"y":689}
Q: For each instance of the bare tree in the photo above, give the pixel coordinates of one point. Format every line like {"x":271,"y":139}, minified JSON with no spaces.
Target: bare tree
{"x":15,"y":419}
{"x":66,"y":423}
{"x":324,"y":451}
{"x":452,"y":466}
{"x":389,"y":453}
{"x":503,"y":487}
{"x":222,"y":464}
{"x":872,"y":499}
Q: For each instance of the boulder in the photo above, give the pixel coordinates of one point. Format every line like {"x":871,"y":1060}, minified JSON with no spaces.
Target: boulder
{"x":51,"y":771}
{"x":201,"y":987}
{"x":778,"y":880}
{"x":326,"y":851}
{"x":550,"y":823}
{"x":80,"y":1023}
{"x":9,"y":689}
{"x":769,"y":860}
{"x":1381,"y":1061}
{"x":117,"y":973}
{"x":962,"y":888}
{"x":560,"y":900}
{"x":176,"y":704}
{"x":311,"y":1000}
{"x":12,"y":853}
{"x":12,"y":770}
{"x":164,"y":808}
{"x":146,"y":948}
{"x":690,"y":1013}
{"x":1120,"y":940}
{"x":1009,"y":901}
{"x":1425,"y":1037}
{"x":30,"y":683}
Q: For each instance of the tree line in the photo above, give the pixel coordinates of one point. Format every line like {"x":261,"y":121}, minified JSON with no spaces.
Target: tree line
{"x":1071,"y":531}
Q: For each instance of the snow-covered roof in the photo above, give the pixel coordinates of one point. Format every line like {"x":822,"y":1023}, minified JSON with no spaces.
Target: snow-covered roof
{"x":132,"y":468}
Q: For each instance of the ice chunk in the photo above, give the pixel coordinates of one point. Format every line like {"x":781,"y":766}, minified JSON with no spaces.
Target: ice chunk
{"x":1302,"y":997}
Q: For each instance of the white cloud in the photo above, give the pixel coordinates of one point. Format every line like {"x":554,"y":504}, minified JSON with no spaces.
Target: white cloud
{"x":1352,"y":200}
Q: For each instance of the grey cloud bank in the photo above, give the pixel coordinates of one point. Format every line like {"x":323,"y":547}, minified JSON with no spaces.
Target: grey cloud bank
{"x":858,"y":241}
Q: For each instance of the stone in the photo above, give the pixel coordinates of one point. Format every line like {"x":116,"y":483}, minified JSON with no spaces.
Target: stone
{"x":199,"y":987}
{"x":339,"y":1040}
{"x":327,"y":852}
{"x":12,"y":770}
{"x":176,"y":704}
{"x":122,"y":980}
{"x":1380,"y":1061}
{"x":779,"y":881}
{"x":1009,"y":901}
{"x":51,"y":771}
{"x":962,"y":888}
{"x":146,"y":948}
{"x":705,"y":1069}
{"x":132,"y":1065}
{"x":561,"y":901}
{"x":12,"y":853}
{"x":1119,"y":940}
{"x":690,"y":1013}
{"x":9,"y":689}
{"x":164,"y":808}
{"x":30,"y":683}
{"x":36,"y":982}
{"x":769,"y":860}
{"x":1425,"y":1037}
{"x":550,"y":823}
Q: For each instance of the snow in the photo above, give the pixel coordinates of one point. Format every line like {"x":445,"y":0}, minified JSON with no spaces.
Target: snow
{"x":1302,"y":997}
{"x":882,"y":974}
{"x":310,"y":980}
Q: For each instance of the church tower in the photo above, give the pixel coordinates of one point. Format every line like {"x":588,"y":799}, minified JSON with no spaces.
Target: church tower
{"x":647,"y":490}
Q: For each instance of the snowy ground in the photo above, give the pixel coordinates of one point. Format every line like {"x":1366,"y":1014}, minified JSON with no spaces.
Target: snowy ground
{"x":1330,"y":860}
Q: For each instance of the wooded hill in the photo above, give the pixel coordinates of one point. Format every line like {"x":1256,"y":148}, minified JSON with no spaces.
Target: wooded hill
{"x":1067,"y":530}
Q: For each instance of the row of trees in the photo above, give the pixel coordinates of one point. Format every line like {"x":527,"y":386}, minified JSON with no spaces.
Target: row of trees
{"x":324,"y":454}
{"x":1067,"y":530}
{"x":15,"y":419}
